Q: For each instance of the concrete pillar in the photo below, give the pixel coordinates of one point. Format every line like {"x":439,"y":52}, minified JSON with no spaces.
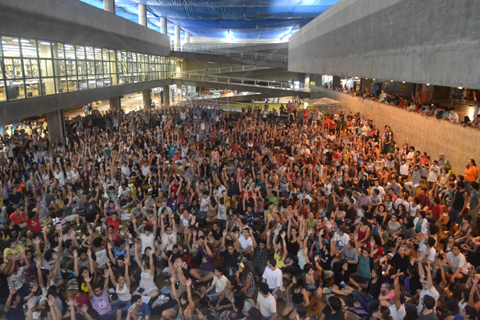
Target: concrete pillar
{"x":163,"y":25}
{"x":109,"y":5}
{"x":115,"y":103}
{"x":177,"y":36}
{"x":142,"y":14}
{"x":166,"y":95}
{"x":147,"y":99}
{"x":336,"y":81}
{"x":56,"y":126}
{"x":187,"y":37}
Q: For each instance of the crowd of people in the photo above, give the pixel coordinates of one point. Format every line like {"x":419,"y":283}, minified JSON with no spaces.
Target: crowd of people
{"x":428,"y":109}
{"x":194,"y":212}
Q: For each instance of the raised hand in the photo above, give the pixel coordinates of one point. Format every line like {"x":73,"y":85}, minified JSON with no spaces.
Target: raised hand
{"x":31,"y":303}
{"x":84,"y":308}
{"x":284,"y":233}
{"x":89,"y":253}
{"x":34,"y":288}
{"x":189,"y":282}
{"x":75,"y":254}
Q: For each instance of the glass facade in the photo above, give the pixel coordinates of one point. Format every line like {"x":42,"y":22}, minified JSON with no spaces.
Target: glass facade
{"x":33,"y":68}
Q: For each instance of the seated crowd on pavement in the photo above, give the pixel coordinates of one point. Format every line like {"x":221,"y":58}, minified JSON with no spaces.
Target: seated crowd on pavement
{"x":194,"y":212}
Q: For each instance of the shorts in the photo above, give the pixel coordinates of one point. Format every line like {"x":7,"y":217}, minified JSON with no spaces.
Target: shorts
{"x":71,"y":218}
{"x":203,"y":273}
{"x":294,"y":305}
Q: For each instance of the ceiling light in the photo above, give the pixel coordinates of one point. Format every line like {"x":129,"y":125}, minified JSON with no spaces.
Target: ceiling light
{"x":460,"y":88}
{"x":45,"y":43}
{"x":15,"y":40}
{"x":373,"y":79}
{"x":391,"y":80}
{"x":428,"y":84}
{"x":366,"y":78}
{"x":403,"y":81}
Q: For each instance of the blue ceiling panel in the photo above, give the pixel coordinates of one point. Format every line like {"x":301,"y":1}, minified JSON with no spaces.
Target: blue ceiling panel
{"x":238,"y":19}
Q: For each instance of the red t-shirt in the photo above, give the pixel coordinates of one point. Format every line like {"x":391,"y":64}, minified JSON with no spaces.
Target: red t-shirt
{"x":34,"y":225}
{"x":436,"y":211}
{"x":17,"y":218}
{"x":115,"y":224}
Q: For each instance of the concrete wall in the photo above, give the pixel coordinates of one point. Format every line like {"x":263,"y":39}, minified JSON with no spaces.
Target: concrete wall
{"x":229,"y":60}
{"x":419,"y":41}
{"x":21,"y":109}
{"x":74,"y":22}
{"x":425,"y":133}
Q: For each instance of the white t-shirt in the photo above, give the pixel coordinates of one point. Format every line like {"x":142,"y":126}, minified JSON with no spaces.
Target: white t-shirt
{"x":431,"y":255}
{"x":244,"y":243}
{"x":147,"y":241}
{"x":397,"y":314}
{"x":458,"y":262}
{"x":101,"y":257}
{"x":273,"y":277}
{"x":340,"y":241}
{"x":268,"y":305}
{"x":432,"y":292}
{"x":219,"y":283}
{"x":169,"y":240}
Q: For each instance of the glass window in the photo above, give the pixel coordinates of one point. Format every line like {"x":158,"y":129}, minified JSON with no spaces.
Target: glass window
{"x":98,"y":54}
{"x":71,"y":68}
{"x":82,"y":83}
{"x":13,"y":68}
{"x":58,"y":51}
{"x":106,"y":69}
{"x":113,"y":67}
{"x":59,"y":68}
{"x":100,"y":81}
{"x":32,"y":86}
{"x":44,"y":49}
{"x":46,"y":68}
{"x":112,"y":55}
{"x":48,"y":86}
{"x":105,"y":55}
{"x":98,"y":67}
{"x":90,"y":67}
{"x":72,"y":84}
{"x":69,"y":51}
{"x":82,"y":67}
{"x":15,"y":89}
{"x":80,"y":53}
{"x":29,"y":48}
{"x":3,"y":93}
{"x":92,"y":84}
{"x":61,"y":85}
{"x":10,"y":47}
{"x":30,"y":68}
{"x":89,"y":53}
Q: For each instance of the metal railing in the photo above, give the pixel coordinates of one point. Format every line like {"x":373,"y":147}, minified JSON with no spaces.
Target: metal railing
{"x":234,"y":53}
{"x":229,"y":69}
{"x":241,"y":81}
{"x":226,"y":45}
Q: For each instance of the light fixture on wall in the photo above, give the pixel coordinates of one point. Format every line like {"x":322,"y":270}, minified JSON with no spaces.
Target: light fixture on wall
{"x":373,"y":79}
{"x":428,"y":84}
{"x":391,"y":80}
{"x":460,"y":88}
{"x":403,"y":81}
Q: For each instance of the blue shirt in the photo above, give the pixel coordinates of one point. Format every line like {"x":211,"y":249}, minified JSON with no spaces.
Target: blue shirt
{"x":143,"y":312}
